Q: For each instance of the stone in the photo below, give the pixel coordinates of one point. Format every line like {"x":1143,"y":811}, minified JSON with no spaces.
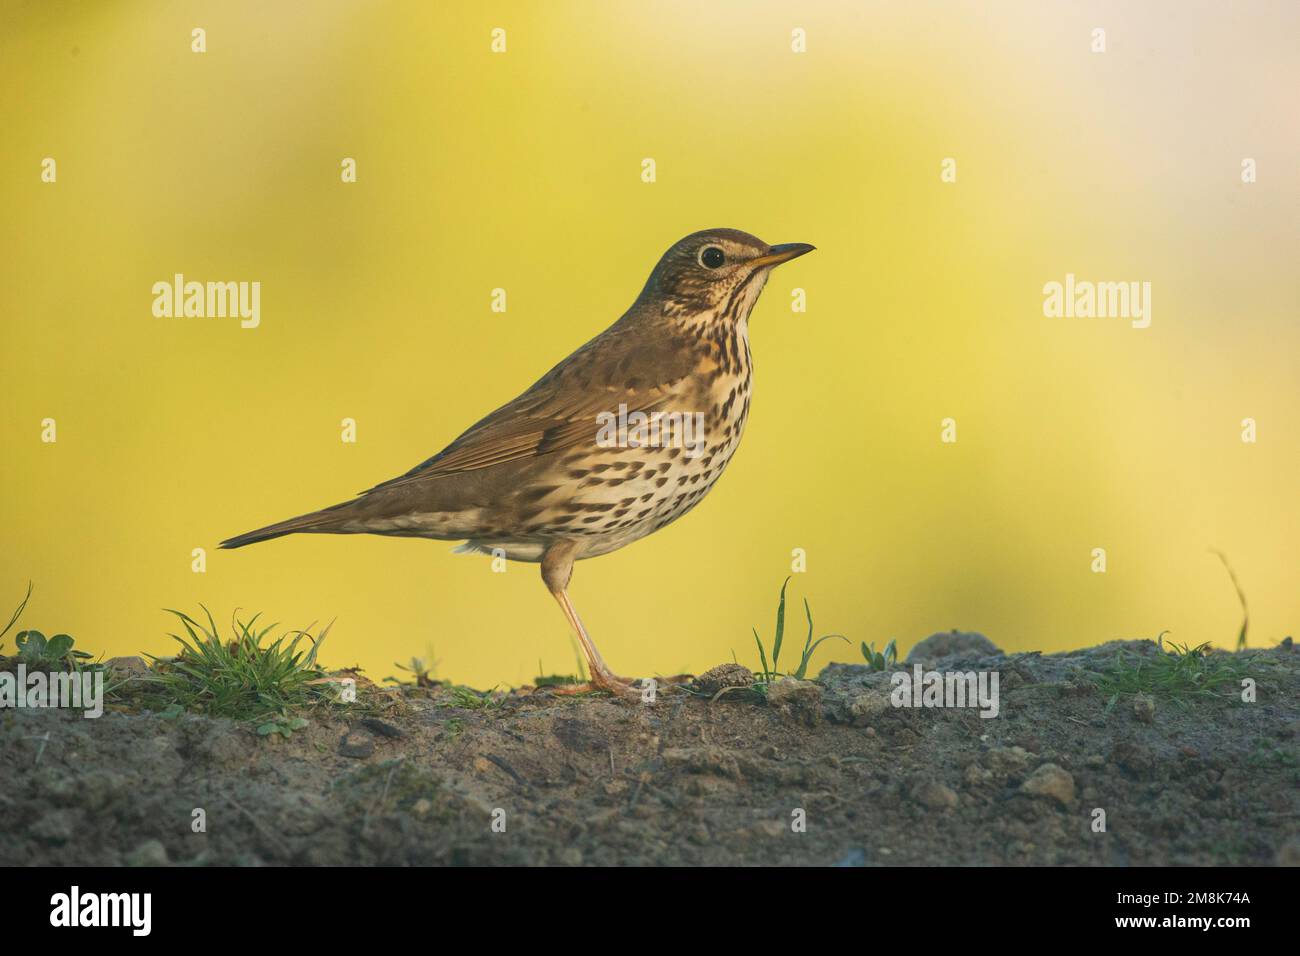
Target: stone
{"x":1144,"y":708}
{"x":381,"y":728}
{"x":935,"y":795}
{"x":1051,"y":782}
{"x":126,"y":668}
{"x":870,"y":705}
{"x":357,"y":743}
{"x":950,"y":644}
{"x":799,"y":700}
{"x":1007,"y":760}
{"x":149,"y":853}
{"x":724,"y":676}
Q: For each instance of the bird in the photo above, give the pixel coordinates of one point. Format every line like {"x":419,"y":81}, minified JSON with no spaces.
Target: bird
{"x":617,"y":441}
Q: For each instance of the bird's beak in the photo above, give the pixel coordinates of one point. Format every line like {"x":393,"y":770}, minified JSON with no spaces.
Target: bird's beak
{"x":782,"y":253}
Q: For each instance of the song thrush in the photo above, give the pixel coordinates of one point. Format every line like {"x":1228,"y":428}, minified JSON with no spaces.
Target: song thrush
{"x":621,"y":438}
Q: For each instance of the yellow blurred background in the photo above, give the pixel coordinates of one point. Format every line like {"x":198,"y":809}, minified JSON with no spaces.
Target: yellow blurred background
{"x":522,"y":170}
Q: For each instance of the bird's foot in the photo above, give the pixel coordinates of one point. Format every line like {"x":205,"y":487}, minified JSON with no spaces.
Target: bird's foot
{"x":623,"y":687}
{"x":636,"y":689}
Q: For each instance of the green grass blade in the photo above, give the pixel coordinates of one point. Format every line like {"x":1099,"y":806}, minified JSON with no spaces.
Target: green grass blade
{"x":18,"y":611}
{"x":780,"y":628}
{"x":762,"y":656}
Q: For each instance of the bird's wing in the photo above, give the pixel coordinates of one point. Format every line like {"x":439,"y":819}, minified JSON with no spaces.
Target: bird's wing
{"x":560,"y":411}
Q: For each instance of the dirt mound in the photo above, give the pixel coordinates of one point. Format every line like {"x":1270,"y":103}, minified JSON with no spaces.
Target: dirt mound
{"x":830,"y":773}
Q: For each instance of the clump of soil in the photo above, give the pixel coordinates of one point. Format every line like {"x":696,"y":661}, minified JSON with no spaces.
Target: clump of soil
{"x":828,"y":773}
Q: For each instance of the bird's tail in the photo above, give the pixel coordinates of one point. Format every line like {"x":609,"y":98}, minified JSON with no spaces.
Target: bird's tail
{"x":324,"y":520}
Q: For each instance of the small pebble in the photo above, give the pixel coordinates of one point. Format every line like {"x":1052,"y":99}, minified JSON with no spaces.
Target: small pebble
{"x":357,"y":743}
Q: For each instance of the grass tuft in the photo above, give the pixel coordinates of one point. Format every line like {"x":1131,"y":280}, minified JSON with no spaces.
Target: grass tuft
{"x":245,"y":678}
{"x":881,"y":660}
{"x":1179,"y":674}
{"x":469,"y":699}
{"x":770,"y":673}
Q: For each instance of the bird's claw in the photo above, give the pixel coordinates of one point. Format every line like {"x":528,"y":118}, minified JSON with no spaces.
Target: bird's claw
{"x":624,"y":687}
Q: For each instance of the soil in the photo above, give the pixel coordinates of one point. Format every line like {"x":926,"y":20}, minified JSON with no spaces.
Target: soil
{"x":822,"y":773}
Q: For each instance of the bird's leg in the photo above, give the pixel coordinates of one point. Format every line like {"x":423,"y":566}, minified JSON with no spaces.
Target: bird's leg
{"x":602,"y":678}
{"x":557,"y":570}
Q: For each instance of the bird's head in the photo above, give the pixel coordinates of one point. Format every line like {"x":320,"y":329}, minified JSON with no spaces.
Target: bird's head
{"x":716,"y":274}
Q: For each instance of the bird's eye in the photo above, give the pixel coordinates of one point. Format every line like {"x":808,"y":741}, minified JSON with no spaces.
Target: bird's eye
{"x":712,"y":257}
